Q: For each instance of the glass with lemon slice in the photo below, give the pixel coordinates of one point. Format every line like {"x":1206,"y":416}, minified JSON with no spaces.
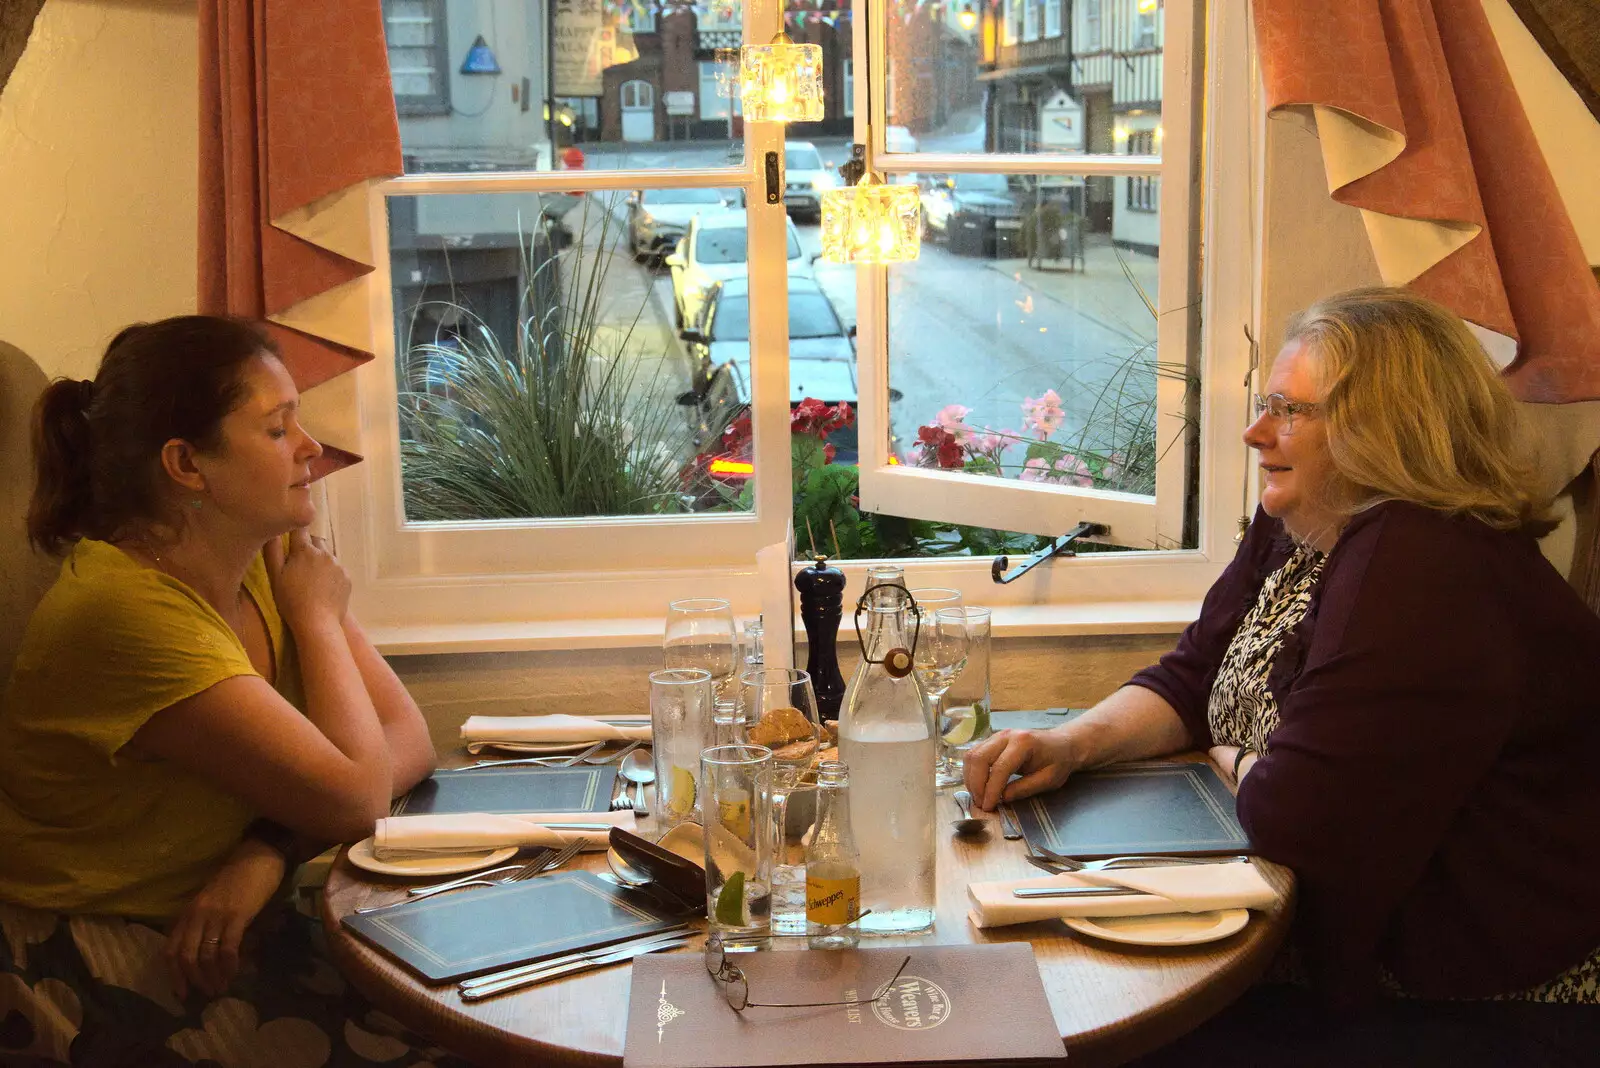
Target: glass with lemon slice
{"x":964,"y":719}
{"x":737,"y":839}
{"x":680,"y":727}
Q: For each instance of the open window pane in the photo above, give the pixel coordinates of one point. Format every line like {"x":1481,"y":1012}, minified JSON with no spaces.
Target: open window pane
{"x":540,"y":366}
{"x":1023,"y":348}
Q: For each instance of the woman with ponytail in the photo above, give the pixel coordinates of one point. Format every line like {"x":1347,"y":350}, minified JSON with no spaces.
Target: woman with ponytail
{"x":192,"y":706}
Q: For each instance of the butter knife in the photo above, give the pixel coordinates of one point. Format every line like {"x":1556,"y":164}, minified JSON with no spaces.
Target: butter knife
{"x":675,"y":931}
{"x":599,"y":958}
{"x":1078,"y":891}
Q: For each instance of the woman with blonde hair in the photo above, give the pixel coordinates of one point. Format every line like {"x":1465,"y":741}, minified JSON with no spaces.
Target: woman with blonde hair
{"x":1405,"y":691}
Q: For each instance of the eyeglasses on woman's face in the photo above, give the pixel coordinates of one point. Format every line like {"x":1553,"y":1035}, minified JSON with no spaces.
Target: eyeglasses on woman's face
{"x":735,"y":987}
{"x":1282,"y":409}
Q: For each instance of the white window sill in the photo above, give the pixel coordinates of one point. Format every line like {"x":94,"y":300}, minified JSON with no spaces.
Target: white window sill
{"x":1013,"y":621}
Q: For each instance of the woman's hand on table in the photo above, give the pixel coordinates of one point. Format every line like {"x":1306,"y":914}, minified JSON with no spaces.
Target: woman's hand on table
{"x":1042,"y":758}
{"x":202,"y":948}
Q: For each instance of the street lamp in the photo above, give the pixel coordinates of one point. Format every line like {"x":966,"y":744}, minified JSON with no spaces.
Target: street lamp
{"x":968,"y":18}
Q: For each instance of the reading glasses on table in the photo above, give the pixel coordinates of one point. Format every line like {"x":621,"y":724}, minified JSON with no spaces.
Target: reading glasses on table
{"x":735,"y":986}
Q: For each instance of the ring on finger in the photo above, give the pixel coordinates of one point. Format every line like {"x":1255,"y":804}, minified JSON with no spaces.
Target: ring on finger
{"x":209,"y":944}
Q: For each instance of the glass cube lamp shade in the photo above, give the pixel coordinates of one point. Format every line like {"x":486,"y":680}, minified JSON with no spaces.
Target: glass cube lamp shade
{"x":781,"y":81}
{"x":870,"y":222}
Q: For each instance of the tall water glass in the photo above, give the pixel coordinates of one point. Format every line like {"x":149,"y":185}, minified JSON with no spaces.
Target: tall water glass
{"x":929,"y":599}
{"x":701,"y":634}
{"x":738,"y":852}
{"x":966,"y":703}
{"x":680,"y":728}
{"x":781,"y":714}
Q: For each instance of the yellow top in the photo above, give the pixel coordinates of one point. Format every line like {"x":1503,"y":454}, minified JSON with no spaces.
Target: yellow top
{"x":84,"y":829}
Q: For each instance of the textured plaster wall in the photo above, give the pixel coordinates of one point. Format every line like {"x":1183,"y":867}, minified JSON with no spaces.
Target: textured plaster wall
{"x":97,"y":220}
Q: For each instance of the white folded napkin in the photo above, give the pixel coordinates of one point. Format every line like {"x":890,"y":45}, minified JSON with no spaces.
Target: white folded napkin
{"x":552,"y":728}
{"x":468,"y":831}
{"x":1171,"y":888}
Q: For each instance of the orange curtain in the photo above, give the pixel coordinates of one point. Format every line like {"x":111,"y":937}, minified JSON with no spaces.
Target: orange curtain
{"x":1422,"y":129}
{"x":296,"y":118}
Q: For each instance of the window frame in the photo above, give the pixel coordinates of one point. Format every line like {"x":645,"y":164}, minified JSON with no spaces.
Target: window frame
{"x":1225,"y":281}
{"x":423,"y":104}
{"x":541,"y":584}
{"x":1052,"y":18}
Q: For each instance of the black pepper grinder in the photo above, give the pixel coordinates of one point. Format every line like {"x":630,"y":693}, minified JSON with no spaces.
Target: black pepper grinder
{"x":821,"y":607}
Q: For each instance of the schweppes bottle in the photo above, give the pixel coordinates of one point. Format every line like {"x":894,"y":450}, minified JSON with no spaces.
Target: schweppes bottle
{"x":833,"y":865}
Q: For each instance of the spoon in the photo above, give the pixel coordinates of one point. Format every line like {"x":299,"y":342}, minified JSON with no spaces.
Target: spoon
{"x":967,"y":824}
{"x":636,"y":768}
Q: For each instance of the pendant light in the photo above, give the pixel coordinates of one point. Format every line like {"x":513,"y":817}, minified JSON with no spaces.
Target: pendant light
{"x":781,"y":81}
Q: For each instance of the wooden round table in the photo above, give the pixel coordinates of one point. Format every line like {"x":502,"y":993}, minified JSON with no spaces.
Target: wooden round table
{"x":1111,"y":1002}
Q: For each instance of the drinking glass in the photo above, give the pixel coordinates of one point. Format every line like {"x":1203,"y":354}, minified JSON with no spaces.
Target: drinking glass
{"x":701,"y":634}
{"x":738,"y":855}
{"x":965,"y":722}
{"x":781,"y":714}
{"x":940,"y":657}
{"x":680,"y":727}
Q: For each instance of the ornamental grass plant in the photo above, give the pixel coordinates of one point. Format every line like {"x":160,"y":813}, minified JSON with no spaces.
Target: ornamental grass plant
{"x":571,"y":417}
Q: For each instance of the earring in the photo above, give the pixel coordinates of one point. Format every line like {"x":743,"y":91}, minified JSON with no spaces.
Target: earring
{"x":196,"y":503}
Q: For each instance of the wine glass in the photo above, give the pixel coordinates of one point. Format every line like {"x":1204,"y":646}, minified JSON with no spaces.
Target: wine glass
{"x":940,"y":656}
{"x":781,"y":714}
{"x":700,"y":634}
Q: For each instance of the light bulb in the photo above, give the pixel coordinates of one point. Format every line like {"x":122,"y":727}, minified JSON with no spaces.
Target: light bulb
{"x":780,"y":93}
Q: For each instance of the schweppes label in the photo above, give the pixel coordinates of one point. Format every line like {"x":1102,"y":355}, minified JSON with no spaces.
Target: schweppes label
{"x":833,"y":901}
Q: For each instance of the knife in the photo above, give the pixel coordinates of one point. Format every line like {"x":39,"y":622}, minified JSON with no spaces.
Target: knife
{"x":486,"y":986}
{"x":1078,"y":891}
{"x":675,"y":931}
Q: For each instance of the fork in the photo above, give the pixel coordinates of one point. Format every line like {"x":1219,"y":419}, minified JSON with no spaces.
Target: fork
{"x":567,"y":852}
{"x":622,"y":801}
{"x":544,"y":762}
{"x":526,"y":871}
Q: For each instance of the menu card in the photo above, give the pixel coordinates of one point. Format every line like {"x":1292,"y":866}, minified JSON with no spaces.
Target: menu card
{"x":1177,"y":809}
{"x":952,"y":1004}
{"x":511,"y":790}
{"x":469,"y":932}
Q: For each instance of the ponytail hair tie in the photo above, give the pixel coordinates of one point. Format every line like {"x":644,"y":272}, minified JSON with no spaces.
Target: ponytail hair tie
{"x":85,"y":394}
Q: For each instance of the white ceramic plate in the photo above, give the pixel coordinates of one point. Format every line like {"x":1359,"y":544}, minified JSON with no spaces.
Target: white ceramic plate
{"x":1173,"y":929}
{"x":539,"y":747}
{"x":445,"y":864}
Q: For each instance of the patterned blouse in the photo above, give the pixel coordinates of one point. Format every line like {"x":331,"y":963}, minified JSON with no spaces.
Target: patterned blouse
{"x":1242,"y":711}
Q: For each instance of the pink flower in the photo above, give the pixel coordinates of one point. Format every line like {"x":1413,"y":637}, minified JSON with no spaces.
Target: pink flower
{"x":1072,"y":471}
{"x":950,"y":418}
{"x":1114,"y":467}
{"x":987,"y":443}
{"x":1044,"y":415}
{"x":1035,"y":470}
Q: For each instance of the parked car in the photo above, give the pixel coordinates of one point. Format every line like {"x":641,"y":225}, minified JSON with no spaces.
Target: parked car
{"x":805,"y":179}
{"x":898,"y":139}
{"x":822,"y":351}
{"x":714,"y":250}
{"x":657,"y":218}
{"x":976,"y":213}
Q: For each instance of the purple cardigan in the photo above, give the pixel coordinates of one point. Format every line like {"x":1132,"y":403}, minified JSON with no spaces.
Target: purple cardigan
{"x":1433,"y":778}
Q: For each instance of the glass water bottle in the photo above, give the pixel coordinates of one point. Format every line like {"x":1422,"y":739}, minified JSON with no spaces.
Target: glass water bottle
{"x":833,"y":865}
{"x":886,"y":737}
